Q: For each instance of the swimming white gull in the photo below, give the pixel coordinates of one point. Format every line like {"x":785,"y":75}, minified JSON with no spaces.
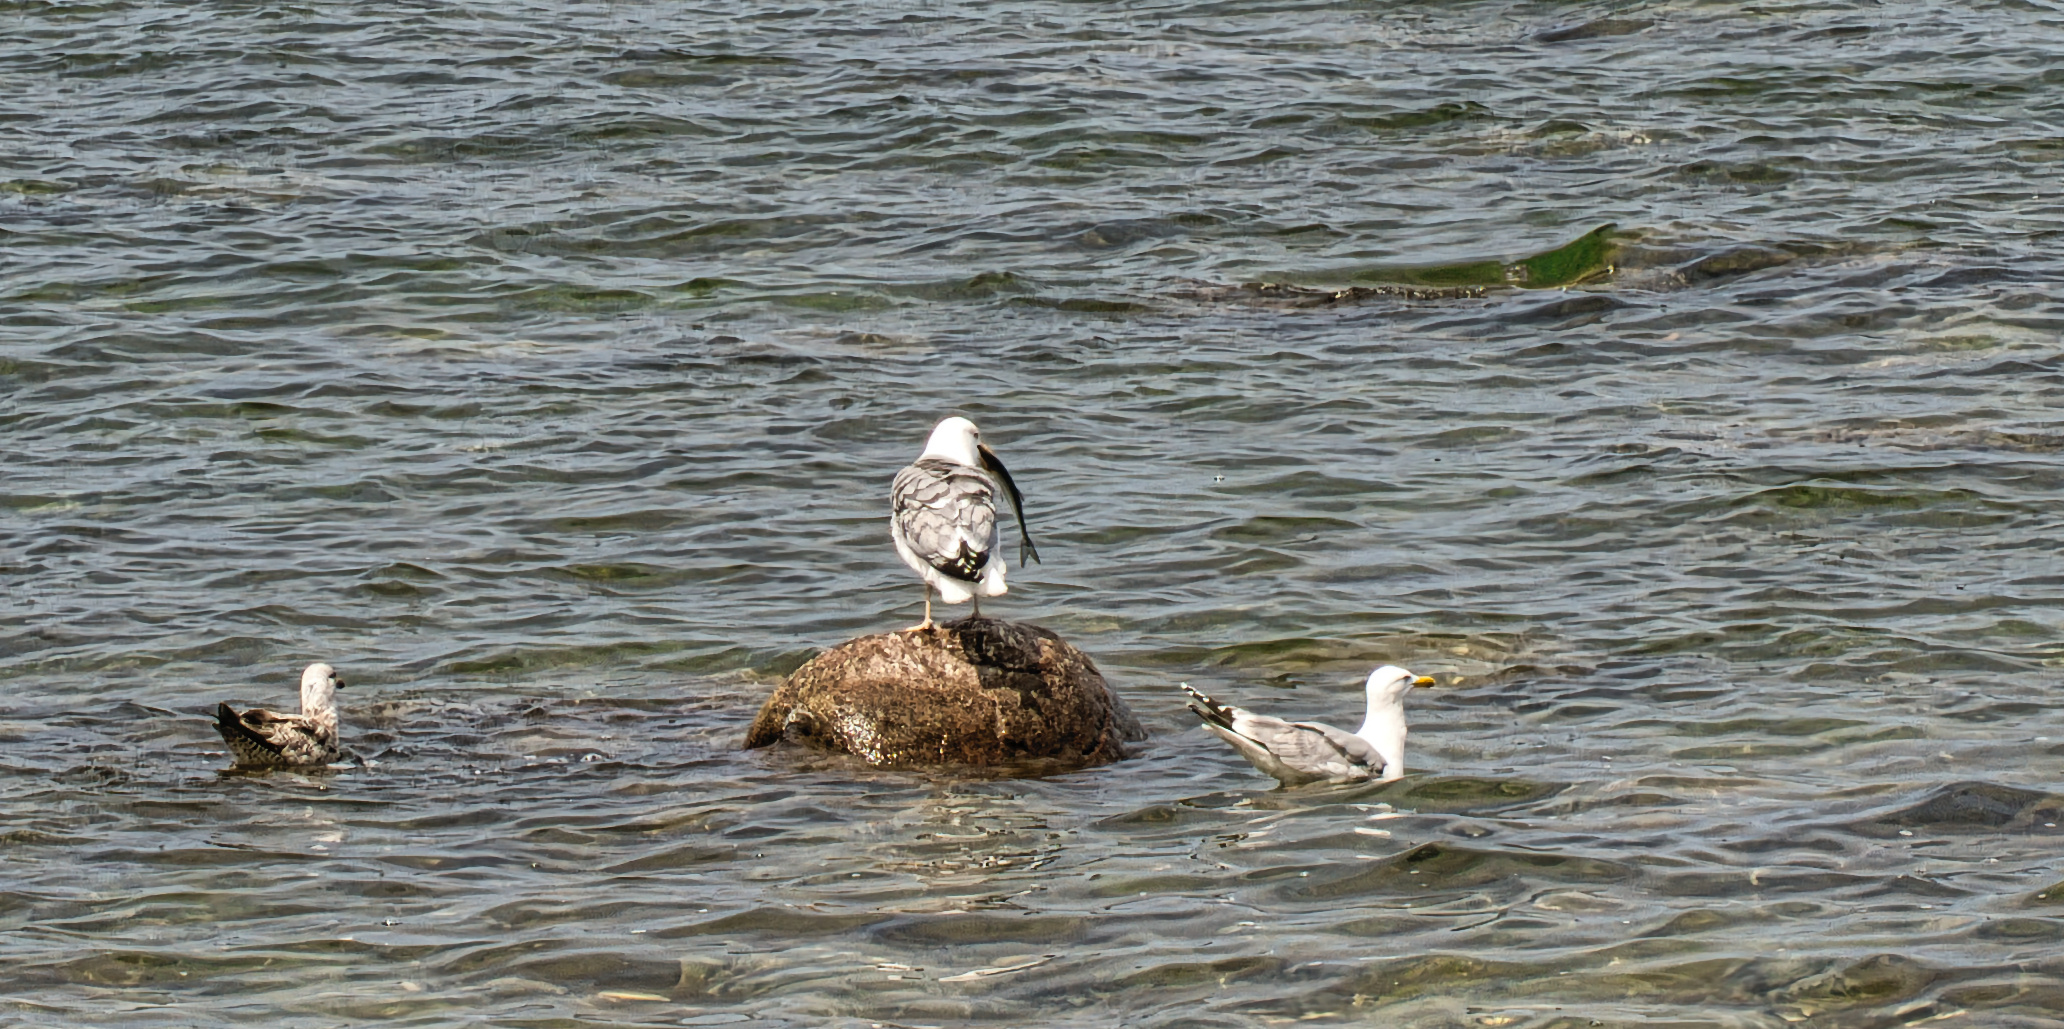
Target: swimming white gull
{"x":269,"y":739}
{"x":1302,"y":752}
{"x":943,"y":517}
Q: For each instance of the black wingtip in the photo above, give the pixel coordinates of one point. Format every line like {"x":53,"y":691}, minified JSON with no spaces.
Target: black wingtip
{"x":1208,"y":709}
{"x":231,"y":725}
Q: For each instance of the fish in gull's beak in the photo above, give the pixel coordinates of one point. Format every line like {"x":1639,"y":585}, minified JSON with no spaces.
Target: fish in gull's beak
{"x":1026,"y":551}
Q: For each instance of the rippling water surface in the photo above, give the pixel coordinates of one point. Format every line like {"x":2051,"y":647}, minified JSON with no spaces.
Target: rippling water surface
{"x":544,"y":366}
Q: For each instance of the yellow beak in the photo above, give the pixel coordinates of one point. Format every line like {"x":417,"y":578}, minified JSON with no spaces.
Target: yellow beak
{"x":1423,"y":681}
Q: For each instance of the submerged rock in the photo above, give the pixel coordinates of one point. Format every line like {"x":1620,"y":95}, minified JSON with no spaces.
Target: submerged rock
{"x":974,"y":692}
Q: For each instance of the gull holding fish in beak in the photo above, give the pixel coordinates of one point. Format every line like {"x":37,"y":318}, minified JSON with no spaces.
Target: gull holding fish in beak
{"x":943,"y":517}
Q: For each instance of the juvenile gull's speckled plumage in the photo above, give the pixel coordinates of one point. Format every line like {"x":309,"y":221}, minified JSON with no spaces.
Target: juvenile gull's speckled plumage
{"x":1301,"y":752}
{"x":269,"y":739}
{"x":943,"y":517}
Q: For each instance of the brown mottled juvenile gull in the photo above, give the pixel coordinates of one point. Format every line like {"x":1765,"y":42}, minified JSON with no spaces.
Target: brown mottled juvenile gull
{"x":1302,"y":752}
{"x":269,"y":739}
{"x":943,"y":517}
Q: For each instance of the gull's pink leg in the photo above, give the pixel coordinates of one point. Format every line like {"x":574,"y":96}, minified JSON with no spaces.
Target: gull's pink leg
{"x":927,"y":623}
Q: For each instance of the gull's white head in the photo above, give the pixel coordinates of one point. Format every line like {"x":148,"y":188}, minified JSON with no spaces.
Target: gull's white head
{"x":1389,"y":684}
{"x":319,"y":685}
{"x":1384,"y":727}
{"x":954,"y":440}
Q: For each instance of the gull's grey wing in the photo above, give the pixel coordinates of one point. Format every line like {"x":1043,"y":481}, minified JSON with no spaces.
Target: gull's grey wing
{"x":1356,"y":749}
{"x":1290,"y":751}
{"x":1309,"y":747}
{"x":946,"y":514}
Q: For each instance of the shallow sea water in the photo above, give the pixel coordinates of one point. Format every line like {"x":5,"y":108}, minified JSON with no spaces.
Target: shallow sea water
{"x":544,"y":366}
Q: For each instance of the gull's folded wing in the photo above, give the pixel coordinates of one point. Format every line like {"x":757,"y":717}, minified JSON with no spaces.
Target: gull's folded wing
{"x":1307,"y":747}
{"x":947,"y":515}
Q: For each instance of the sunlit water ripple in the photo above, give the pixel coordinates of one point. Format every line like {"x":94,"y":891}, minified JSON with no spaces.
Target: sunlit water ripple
{"x":544,"y":366}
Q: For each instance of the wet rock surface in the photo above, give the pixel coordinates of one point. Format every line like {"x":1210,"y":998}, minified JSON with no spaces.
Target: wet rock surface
{"x":982,"y":692}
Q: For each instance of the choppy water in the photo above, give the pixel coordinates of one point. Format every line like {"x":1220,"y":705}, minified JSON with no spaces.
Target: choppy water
{"x":544,"y":366}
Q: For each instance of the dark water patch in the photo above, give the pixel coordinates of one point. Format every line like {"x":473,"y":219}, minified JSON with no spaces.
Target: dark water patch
{"x":1876,"y":980}
{"x":1158,"y":816}
{"x":612,"y":970}
{"x":1770,"y":726}
{"x":1732,"y":263}
{"x":980,"y":286}
{"x":1569,"y":311}
{"x":1157,"y":885}
{"x":1408,"y":121}
{"x":631,"y":521}
{"x":1084,"y":305}
{"x":1287,"y":295}
{"x":1702,"y":920}
{"x":970,"y":929}
{"x":1454,"y":794}
{"x":132,"y":968}
{"x":776,"y":922}
{"x":1747,"y":174}
{"x":1441,"y":866}
{"x":1720,"y":885}
{"x":2023,"y":930}
{"x":1175,"y":975}
{"x":1126,"y":233}
{"x":1601,"y":28}
{"x":1472,"y":436}
{"x":1406,"y":978}
{"x":1280,"y":530}
{"x":1808,"y":496}
{"x":687,"y":856}
{"x":702,"y":657}
{"x":1967,"y":807}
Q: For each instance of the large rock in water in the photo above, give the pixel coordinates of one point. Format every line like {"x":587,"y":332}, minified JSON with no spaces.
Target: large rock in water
{"x":973,"y":692}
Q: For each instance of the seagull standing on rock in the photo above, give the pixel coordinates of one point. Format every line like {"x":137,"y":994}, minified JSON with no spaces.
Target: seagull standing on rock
{"x":943,"y":517}
{"x":1302,"y":752}
{"x":269,"y":739}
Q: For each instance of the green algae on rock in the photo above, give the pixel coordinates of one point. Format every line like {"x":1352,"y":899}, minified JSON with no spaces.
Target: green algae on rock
{"x":1588,"y":256}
